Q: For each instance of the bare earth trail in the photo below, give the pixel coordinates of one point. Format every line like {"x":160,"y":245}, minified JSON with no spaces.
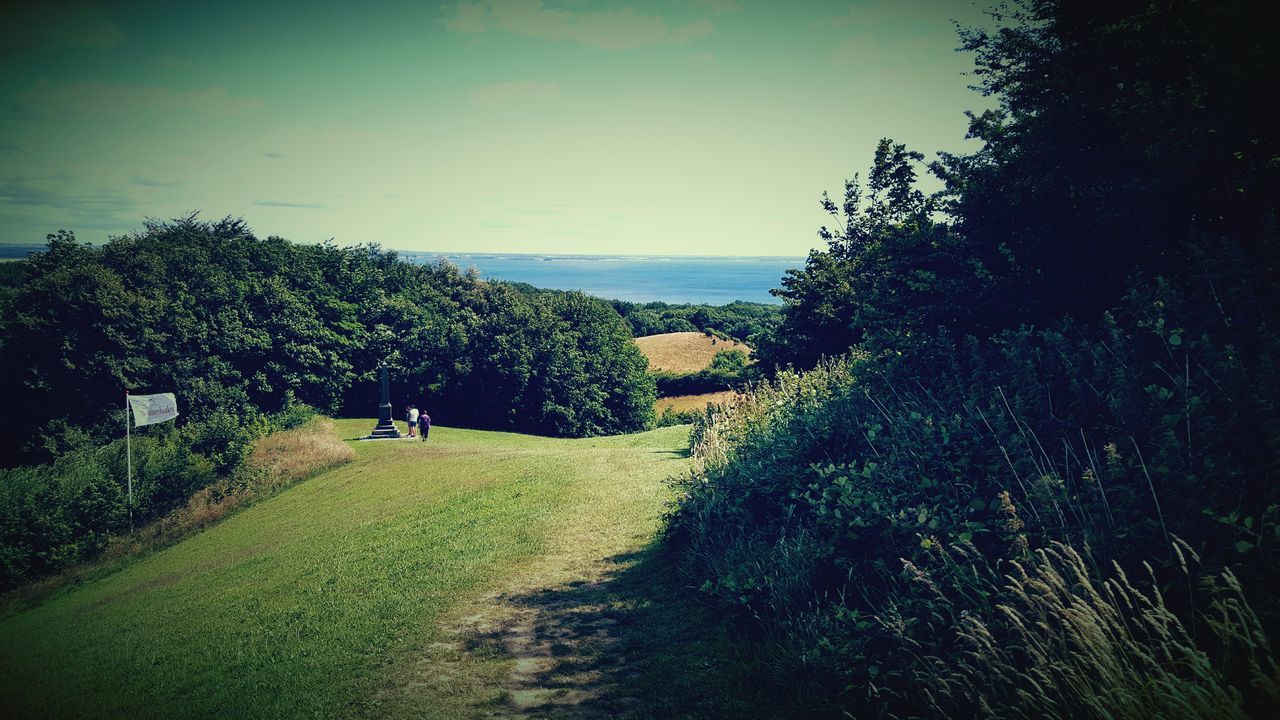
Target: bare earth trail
{"x":559,"y":644}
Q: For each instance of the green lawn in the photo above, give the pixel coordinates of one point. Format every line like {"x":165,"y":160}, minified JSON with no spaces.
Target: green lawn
{"x":313,"y":602}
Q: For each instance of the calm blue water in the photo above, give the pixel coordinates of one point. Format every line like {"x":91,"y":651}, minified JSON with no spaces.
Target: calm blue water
{"x":673,"y":279}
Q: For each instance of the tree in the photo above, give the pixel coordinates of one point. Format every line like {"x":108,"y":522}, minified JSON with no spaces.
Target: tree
{"x":1127,"y":134}
{"x":891,"y":273}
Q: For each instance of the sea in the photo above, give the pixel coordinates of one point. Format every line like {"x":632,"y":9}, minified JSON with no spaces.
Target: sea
{"x":711,"y":280}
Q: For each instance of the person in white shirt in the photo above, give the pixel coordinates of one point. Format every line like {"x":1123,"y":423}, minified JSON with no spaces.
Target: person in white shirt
{"x":412,"y":418}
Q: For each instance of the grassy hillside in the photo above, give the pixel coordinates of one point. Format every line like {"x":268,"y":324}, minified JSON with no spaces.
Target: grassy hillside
{"x":403,"y":583}
{"x":684,"y":351}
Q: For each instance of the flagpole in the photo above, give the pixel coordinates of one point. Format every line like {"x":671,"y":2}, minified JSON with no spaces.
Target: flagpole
{"x":128,"y":454}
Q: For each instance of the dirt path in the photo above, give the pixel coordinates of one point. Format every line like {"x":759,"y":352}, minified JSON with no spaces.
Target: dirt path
{"x":549,"y":646}
{"x":599,"y":625}
{"x":564,"y":657}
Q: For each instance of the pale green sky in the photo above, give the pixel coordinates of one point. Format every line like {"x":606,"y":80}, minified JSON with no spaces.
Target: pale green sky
{"x":706,"y":127}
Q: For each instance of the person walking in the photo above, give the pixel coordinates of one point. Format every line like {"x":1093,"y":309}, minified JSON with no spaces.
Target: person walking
{"x":411,"y":417}
{"x":424,"y":425}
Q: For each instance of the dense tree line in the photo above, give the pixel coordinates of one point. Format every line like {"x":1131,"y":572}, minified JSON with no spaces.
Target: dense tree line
{"x":738,"y":320}
{"x":1059,"y":369}
{"x":247,"y":331}
{"x":234,"y":323}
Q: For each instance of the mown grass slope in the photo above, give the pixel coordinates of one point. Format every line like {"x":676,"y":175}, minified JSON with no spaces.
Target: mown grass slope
{"x":684,"y":351}
{"x":310,"y":603}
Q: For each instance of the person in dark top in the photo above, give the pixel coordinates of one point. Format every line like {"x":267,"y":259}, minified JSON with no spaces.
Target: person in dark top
{"x":424,"y":424}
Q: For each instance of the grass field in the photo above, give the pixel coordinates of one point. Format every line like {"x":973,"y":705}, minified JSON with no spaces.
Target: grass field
{"x":681,"y":403}
{"x":684,"y":351}
{"x":478,"y":574}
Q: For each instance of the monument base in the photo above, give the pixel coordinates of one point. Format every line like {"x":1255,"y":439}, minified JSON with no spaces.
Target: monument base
{"x":385,"y":429}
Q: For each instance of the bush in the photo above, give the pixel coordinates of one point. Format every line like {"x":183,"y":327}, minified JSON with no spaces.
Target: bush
{"x":736,"y":320}
{"x":729,"y":361}
{"x":670,"y":416}
{"x":808,"y":496}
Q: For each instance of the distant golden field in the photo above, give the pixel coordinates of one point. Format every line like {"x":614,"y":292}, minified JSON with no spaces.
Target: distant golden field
{"x":684,"y":351}
{"x":682,"y":403}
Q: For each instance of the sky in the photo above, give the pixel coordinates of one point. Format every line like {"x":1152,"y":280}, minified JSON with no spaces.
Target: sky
{"x":692,"y":127}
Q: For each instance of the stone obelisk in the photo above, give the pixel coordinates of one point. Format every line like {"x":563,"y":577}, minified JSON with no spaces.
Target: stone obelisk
{"x":385,"y":429}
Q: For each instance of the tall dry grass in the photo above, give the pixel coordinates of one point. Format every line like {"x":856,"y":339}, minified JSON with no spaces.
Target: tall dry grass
{"x":277,"y":461}
{"x":684,"y":351}
{"x":1062,"y":644}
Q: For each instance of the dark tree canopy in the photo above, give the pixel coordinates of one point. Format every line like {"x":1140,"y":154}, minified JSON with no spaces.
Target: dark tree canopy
{"x":1129,"y":138}
{"x":238,"y":324}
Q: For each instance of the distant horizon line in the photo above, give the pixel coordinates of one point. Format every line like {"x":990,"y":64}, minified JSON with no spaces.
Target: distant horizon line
{"x":443,"y":253}
{"x":37,"y":247}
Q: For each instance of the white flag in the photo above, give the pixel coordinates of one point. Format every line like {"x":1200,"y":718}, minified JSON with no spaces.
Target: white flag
{"x":149,"y":409}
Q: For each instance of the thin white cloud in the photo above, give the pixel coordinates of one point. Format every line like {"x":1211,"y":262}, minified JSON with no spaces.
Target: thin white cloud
{"x":147,"y":182}
{"x":692,"y":31}
{"x":98,"y":97}
{"x":503,"y":93}
{"x":467,"y":18}
{"x":613,"y":29}
{"x":76,"y":207}
{"x":289,"y":204}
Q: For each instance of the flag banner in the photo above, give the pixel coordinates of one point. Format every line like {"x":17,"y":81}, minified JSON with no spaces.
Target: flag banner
{"x":150,"y":409}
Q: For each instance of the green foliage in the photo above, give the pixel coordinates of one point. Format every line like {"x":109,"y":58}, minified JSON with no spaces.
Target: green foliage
{"x":729,"y":361}
{"x":891,"y":275}
{"x":1062,"y":644}
{"x":252,"y":335}
{"x":810,"y":495}
{"x":241,"y":326}
{"x":12,"y":274}
{"x":56,"y":516}
{"x":1128,"y":135}
{"x":670,"y":416}
{"x":737,"y":320}
{"x":709,"y":380}
{"x":1083,"y":354}
{"x":727,"y":370}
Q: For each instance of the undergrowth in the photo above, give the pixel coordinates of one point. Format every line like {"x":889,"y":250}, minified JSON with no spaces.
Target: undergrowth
{"x":820,"y":504}
{"x":275,"y":462}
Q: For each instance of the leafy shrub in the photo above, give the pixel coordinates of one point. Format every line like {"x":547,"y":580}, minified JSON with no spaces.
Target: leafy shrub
{"x":729,"y":361}
{"x":670,"y":416}
{"x":737,"y":320}
{"x":728,"y":369}
{"x":669,"y":383}
{"x":55,"y":516}
{"x":294,"y":415}
{"x":810,"y":493}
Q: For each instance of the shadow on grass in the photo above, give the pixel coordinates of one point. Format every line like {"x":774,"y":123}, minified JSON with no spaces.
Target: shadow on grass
{"x":634,"y":644}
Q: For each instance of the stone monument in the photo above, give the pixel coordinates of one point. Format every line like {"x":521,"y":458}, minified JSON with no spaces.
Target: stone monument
{"x":386,"y":428}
